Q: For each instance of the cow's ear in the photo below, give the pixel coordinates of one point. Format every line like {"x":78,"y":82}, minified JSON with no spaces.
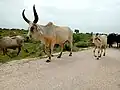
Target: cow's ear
{"x":41,"y":32}
{"x":91,"y":39}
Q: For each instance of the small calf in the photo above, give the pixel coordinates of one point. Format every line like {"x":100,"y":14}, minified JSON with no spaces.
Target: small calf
{"x":100,"y":42}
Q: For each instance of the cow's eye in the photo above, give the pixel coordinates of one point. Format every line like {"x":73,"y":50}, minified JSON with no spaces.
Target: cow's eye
{"x":31,"y":29}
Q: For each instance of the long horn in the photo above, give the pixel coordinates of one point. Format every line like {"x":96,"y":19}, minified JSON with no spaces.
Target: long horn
{"x":35,"y":15}
{"x":25,"y":17}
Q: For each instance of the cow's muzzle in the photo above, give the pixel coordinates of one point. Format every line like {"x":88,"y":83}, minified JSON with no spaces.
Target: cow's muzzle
{"x":27,"y":38}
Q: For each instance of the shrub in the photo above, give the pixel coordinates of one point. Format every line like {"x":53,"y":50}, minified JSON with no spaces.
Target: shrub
{"x":75,"y":49}
{"x":81,"y":44}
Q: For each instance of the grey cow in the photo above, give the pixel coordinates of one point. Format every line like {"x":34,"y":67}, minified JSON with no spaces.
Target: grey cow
{"x":49,"y":34}
{"x":11,"y":43}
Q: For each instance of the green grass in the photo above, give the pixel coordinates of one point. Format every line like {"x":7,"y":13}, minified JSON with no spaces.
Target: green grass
{"x":81,"y":40}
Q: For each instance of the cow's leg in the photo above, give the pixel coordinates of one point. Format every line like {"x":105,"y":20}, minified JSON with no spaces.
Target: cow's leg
{"x":117,"y":44}
{"x":104,"y":51}
{"x":100,"y":52}
{"x":62,"y":45}
{"x":94,"y":51}
{"x":109,"y":45}
{"x":25,"y":50}
{"x":98,"y":56}
{"x":44,"y":50}
{"x":71,"y":45}
{"x":52,"y":47}
{"x":19,"y":49}
{"x":23,"y":47}
{"x":49,"y":54}
{"x":3,"y":51}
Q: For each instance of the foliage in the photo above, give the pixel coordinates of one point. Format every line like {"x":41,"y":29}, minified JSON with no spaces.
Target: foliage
{"x":80,"y":40}
{"x":77,"y":31}
{"x":82,"y":44}
{"x":81,"y":37}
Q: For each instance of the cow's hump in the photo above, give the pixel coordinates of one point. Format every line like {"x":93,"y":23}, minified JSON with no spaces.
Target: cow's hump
{"x":49,"y":24}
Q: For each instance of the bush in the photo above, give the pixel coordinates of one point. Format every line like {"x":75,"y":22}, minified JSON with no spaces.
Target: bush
{"x":81,"y":37}
{"x":81,"y":44}
{"x":75,"y":49}
{"x":66,"y":47}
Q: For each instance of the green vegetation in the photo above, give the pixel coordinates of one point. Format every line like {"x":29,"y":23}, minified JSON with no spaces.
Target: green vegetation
{"x":81,"y":40}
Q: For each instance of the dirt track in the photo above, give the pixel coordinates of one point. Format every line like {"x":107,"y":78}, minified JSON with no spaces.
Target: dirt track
{"x":79,"y":72}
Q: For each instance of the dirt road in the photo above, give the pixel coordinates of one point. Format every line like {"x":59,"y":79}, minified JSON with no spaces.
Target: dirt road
{"x":79,"y":72}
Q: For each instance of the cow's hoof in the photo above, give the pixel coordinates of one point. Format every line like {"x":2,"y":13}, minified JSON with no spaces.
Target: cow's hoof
{"x":103,"y":54}
{"x":70,"y":54}
{"x":97,"y":58}
{"x":48,"y":61}
{"x":59,"y":57}
{"x":26,"y":51}
{"x":52,"y":55}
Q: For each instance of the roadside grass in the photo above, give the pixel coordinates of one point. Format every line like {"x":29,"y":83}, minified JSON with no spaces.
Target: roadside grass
{"x":81,"y":41}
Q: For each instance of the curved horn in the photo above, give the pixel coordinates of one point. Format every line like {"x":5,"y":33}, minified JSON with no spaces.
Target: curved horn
{"x":25,"y":17}
{"x":35,"y":15}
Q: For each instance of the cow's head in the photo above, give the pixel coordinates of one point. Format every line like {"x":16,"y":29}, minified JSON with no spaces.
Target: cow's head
{"x":34,"y":30}
{"x":92,"y":39}
{"x":96,"y":39}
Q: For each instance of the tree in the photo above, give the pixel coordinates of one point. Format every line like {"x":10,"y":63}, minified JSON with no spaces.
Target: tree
{"x":91,"y":33}
{"x":77,"y":31}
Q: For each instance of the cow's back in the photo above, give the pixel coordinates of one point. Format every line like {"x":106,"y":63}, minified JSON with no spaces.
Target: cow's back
{"x":7,"y":41}
{"x":57,"y":34}
{"x":104,"y":39}
{"x":63,"y":34}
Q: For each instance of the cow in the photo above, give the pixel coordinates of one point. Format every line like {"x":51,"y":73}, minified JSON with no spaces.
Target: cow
{"x":12,"y":42}
{"x":100,"y":42}
{"x":118,"y":40}
{"x":49,"y":34}
{"x":111,"y":39}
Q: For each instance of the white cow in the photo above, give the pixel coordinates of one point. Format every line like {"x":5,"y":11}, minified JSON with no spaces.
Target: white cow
{"x":100,"y":42}
{"x":49,"y":34}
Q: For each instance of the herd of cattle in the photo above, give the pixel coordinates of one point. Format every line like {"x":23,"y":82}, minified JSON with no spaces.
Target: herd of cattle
{"x":113,"y":38}
{"x":50,"y":34}
{"x":101,"y":42}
